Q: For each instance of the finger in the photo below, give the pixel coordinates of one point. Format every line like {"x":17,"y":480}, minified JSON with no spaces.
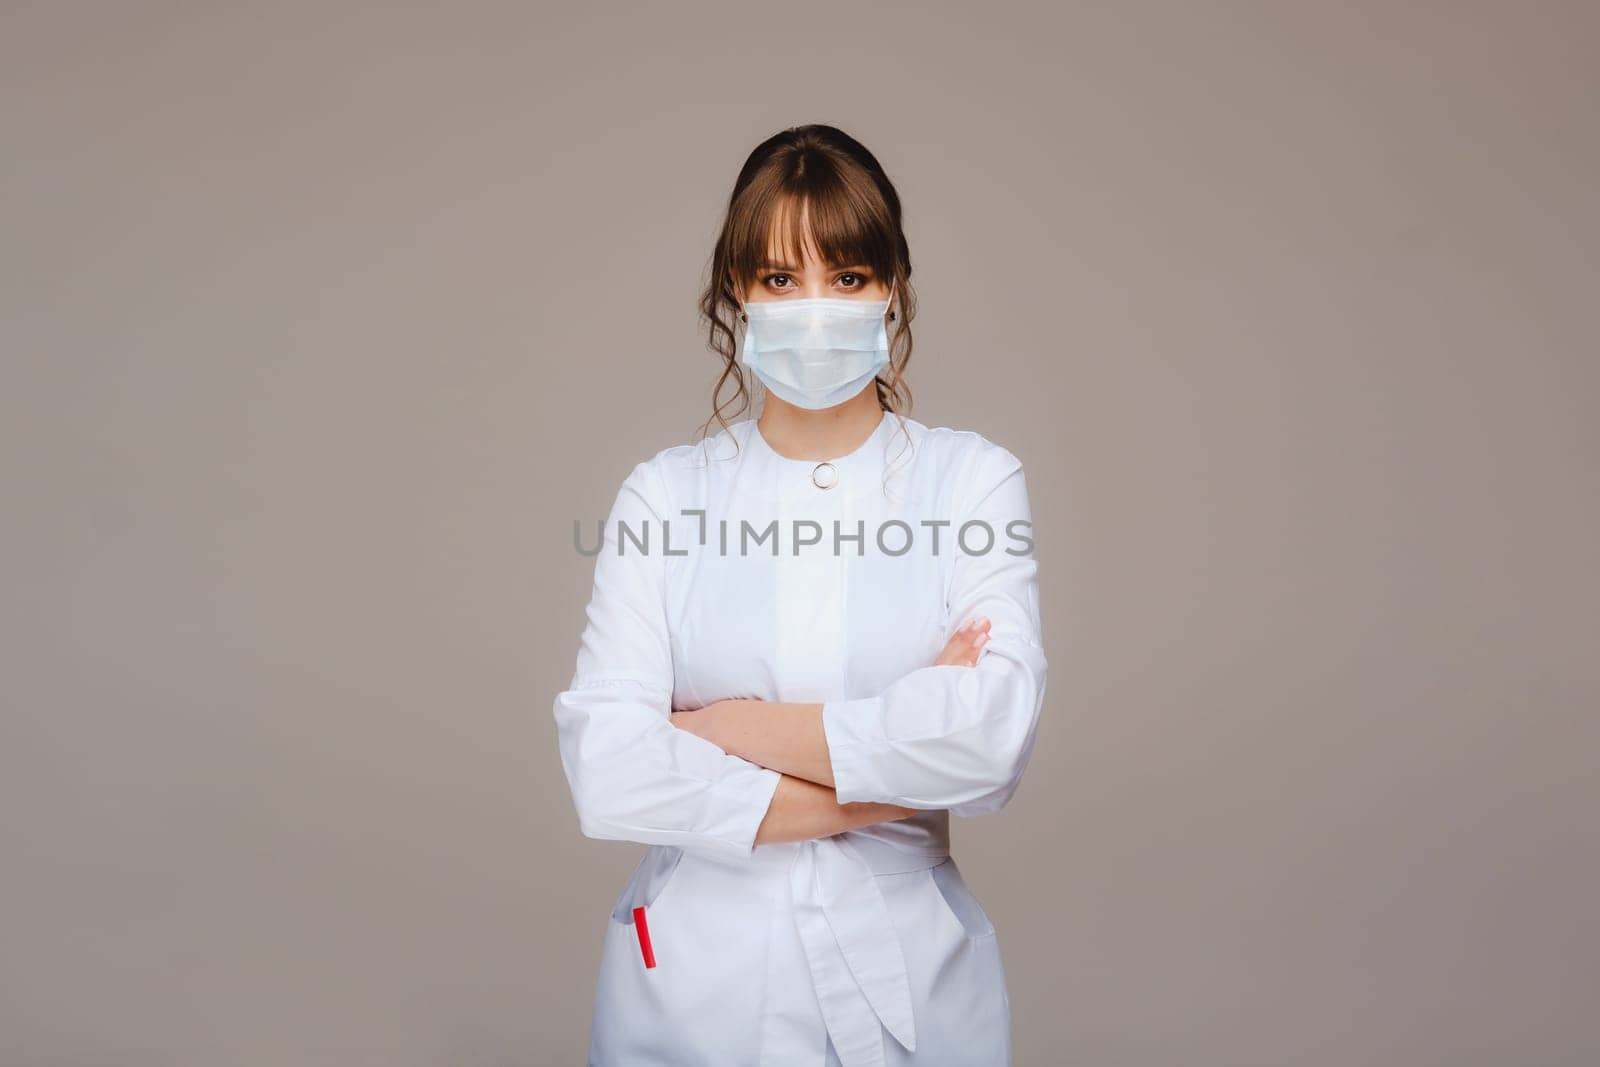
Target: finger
{"x":957,"y":653}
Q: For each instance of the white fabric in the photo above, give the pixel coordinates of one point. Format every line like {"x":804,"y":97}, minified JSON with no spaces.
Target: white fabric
{"x":865,"y":948}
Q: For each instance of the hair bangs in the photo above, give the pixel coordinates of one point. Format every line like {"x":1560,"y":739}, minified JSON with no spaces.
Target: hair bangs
{"x":839,"y":225}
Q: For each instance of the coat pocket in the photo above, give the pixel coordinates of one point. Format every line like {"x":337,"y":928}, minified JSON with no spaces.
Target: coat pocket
{"x":651,"y":878}
{"x":643,"y":895}
{"x":960,"y":902}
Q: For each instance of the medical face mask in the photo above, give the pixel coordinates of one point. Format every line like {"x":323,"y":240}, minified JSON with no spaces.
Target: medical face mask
{"x":816,"y":352}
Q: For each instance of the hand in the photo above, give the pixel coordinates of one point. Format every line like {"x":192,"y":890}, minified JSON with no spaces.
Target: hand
{"x":965,"y":645}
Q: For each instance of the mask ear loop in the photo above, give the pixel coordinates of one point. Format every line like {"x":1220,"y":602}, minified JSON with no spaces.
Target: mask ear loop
{"x":740,"y":345}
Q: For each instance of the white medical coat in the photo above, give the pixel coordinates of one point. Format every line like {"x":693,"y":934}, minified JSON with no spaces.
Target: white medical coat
{"x":861,"y":949}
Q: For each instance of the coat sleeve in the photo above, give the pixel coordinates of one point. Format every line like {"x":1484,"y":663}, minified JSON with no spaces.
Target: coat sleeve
{"x":633,"y":775}
{"x":959,"y":737}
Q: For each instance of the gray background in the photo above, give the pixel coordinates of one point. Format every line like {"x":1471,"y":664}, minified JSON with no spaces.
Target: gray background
{"x":321,"y":324}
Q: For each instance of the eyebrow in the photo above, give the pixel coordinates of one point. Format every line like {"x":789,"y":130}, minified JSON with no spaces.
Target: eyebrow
{"x":796,"y":270}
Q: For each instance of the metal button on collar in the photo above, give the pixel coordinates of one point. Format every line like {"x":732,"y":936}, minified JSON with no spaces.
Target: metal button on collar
{"x":824,"y":475}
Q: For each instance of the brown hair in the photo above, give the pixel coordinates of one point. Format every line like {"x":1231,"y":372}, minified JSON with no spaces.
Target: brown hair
{"x":853,"y":214}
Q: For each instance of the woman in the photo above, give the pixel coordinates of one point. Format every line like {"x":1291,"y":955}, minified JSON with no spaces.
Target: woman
{"x":813,"y":637}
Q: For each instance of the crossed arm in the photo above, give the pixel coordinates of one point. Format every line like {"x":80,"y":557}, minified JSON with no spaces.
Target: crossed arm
{"x":953,"y":736}
{"x":788,"y":738}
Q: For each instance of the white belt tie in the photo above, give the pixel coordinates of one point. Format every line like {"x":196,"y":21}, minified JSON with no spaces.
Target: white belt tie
{"x":857,"y":966}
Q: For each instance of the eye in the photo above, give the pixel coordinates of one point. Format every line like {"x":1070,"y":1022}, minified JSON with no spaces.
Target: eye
{"x":861,"y":279}
{"x":767,"y":281}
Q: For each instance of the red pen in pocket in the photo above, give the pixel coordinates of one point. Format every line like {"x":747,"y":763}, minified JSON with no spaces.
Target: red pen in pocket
{"x":644,"y":937}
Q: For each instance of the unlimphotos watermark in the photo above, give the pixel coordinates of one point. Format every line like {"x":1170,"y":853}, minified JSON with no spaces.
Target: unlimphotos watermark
{"x":893,"y":537}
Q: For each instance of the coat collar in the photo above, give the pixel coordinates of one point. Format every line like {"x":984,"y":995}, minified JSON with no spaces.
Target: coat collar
{"x":766,"y":474}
